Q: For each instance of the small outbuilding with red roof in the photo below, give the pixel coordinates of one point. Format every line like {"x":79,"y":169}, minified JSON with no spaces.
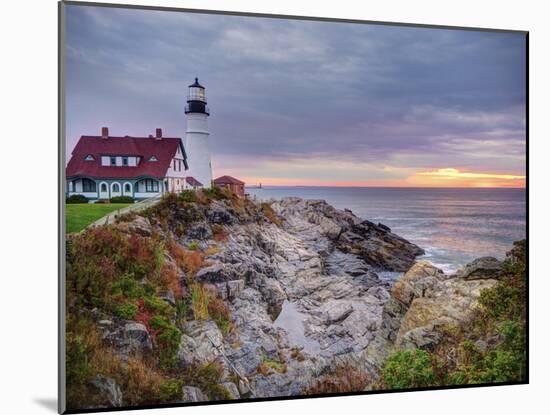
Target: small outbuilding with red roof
{"x":228,"y":182}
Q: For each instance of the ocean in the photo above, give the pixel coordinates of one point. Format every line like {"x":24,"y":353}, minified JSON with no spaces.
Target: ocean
{"x":453,"y":226}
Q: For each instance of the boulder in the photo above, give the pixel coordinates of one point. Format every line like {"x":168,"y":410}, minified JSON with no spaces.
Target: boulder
{"x":244,"y":387}
{"x":335,"y":311}
{"x":230,"y":289}
{"x":140,"y":226}
{"x":421,"y":277}
{"x":234,"y":288}
{"x":200,"y":231}
{"x":137,"y":336}
{"x":108,"y":390}
{"x":216,"y":273}
{"x":192,"y":394}
{"x":168,"y":296}
{"x":220,"y":215}
{"x":481,"y":268}
{"x":130,"y":337}
{"x":197,"y":345}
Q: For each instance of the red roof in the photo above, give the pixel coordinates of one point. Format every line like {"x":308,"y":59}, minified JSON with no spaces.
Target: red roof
{"x":227,"y":180}
{"x":164,"y":151}
{"x":192,"y":181}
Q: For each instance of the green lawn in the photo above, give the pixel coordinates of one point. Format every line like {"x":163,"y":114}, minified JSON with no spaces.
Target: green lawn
{"x":78,"y":216}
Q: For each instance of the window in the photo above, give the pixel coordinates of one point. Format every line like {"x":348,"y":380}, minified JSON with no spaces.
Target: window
{"x":151,"y":185}
{"x":153,"y":158}
{"x":127,"y":188}
{"x":124,"y":161}
{"x":89,"y":157}
{"x":103,"y":188}
{"x":88,"y":185}
{"x":116,"y":188}
{"x":113,"y":161}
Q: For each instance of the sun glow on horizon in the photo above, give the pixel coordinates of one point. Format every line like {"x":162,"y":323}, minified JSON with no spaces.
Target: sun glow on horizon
{"x":443,"y":177}
{"x":455,"y":173}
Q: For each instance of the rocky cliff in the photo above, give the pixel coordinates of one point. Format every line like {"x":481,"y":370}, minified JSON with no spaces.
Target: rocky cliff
{"x":295,"y":291}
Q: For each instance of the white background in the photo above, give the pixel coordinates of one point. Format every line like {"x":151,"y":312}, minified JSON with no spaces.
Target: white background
{"x":28,"y":168}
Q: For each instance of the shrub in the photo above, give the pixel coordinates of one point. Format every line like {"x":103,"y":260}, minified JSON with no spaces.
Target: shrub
{"x":78,"y":353}
{"x":219,"y":233}
{"x":270,"y":214}
{"x":215,"y":193}
{"x":171,"y":279}
{"x":158,"y":306}
{"x":208,"y":378}
{"x":408,"y":369}
{"x":220,"y":313}
{"x":98,"y":257}
{"x":76,"y":199}
{"x":500,"y":301}
{"x":199,"y":301}
{"x":140,"y":383}
{"x":189,"y":261}
{"x":183,"y":309}
{"x":297,"y":354}
{"x":127,"y":311}
{"x":193,"y":246}
{"x":126,"y":217}
{"x":268,"y":365}
{"x":173,"y":213}
{"x":346,"y":377}
{"x":170,"y":390}
{"x":187,"y":196}
{"x":168,"y":339}
{"x":212,"y":250}
{"x":128,"y":287}
{"x":122,"y":199}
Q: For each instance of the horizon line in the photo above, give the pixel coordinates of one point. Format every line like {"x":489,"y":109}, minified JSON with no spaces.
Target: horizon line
{"x":387,"y":187}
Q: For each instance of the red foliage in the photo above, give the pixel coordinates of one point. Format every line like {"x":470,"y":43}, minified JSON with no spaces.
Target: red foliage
{"x":171,"y":280}
{"x":144,"y":316}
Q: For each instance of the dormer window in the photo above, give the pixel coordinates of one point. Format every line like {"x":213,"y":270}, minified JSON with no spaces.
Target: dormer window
{"x":124,"y":161}
{"x":113,"y":161}
{"x":153,"y":158}
{"x":89,"y":157}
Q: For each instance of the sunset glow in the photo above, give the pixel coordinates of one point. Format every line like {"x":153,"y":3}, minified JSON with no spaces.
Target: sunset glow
{"x":276,"y":174}
{"x":455,"y":173}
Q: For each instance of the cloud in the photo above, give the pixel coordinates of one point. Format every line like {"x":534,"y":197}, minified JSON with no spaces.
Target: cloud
{"x":281,"y":90}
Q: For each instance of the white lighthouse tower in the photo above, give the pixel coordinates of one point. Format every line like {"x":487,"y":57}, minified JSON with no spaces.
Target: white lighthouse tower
{"x":197,"y":146}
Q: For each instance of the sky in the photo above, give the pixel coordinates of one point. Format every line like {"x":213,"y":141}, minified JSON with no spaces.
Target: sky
{"x":306,"y":102}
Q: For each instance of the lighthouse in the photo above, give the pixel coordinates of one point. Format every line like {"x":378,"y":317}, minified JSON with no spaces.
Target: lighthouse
{"x":197,"y":135}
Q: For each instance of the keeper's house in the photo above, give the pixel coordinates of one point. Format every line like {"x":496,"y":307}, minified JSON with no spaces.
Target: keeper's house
{"x":102,"y":167}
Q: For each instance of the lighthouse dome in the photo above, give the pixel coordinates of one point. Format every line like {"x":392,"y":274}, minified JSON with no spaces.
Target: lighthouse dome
{"x":196,"y":84}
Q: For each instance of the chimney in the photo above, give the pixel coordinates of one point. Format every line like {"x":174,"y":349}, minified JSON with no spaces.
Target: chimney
{"x":158,"y":134}
{"x":104,"y":132}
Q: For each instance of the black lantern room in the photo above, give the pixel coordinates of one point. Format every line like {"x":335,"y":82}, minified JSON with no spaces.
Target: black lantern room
{"x":196,"y":99}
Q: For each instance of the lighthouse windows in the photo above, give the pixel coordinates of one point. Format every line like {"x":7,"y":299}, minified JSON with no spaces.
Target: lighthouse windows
{"x":196,"y":94}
